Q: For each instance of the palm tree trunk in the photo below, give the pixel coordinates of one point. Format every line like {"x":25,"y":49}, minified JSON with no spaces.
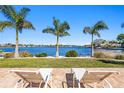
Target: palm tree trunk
{"x":57,"y":47}
{"x":92,"y":50}
{"x":16,"y":48}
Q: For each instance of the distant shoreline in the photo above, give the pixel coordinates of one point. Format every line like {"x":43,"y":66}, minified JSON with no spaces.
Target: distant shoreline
{"x":67,"y":46}
{"x":115,"y":48}
{"x":44,"y":46}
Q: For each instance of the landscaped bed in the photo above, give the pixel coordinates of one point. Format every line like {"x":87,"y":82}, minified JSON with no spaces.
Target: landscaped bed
{"x":59,"y":63}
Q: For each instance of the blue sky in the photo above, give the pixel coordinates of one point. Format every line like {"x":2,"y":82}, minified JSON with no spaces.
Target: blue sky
{"x":77,"y":16}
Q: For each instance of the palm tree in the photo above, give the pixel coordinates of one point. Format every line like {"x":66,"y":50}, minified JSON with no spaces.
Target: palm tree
{"x":94,"y":30}
{"x":59,"y":30}
{"x":16,"y":20}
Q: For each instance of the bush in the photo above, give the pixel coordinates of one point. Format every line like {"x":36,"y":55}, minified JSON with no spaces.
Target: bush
{"x":104,"y":55}
{"x":99,"y":55}
{"x":41,"y":55}
{"x":25,"y":54}
{"x":9,"y":55}
{"x":1,"y":51}
{"x":121,"y":57}
{"x":71,"y":53}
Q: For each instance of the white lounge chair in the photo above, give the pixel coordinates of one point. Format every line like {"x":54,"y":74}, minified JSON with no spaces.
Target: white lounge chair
{"x":30,"y":78}
{"x":97,"y":76}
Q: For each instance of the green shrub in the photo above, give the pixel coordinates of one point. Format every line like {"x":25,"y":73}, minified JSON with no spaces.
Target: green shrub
{"x":41,"y":55}
{"x":121,"y":57}
{"x":25,"y":54}
{"x":1,"y":51}
{"x":71,"y":53}
{"x":9,"y":55}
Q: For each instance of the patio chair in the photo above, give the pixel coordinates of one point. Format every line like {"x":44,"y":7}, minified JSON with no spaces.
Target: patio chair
{"x":73,"y":78}
{"x":30,"y":79}
{"x":82,"y":75}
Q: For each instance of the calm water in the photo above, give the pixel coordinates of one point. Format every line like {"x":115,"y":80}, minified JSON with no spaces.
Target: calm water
{"x":51,"y":51}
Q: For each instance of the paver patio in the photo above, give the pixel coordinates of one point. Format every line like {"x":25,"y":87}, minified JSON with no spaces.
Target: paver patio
{"x":8,"y":80}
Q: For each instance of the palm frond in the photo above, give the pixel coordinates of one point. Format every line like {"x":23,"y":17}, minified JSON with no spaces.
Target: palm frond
{"x":5,"y":24}
{"x":28,"y":25}
{"x":23,"y":12}
{"x":59,"y":29}
{"x":122,"y":25}
{"x":100,"y":25}
{"x":56,"y":23}
{"x":64,"y":34}
{"x":87,"y":30}
{"x":64,"y":26}
{"x":9,"y":12}
{"x":49,"y":30}
{"x":97,"y":33}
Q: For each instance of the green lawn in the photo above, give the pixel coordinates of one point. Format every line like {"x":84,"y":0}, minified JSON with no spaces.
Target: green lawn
{"x":58,"y":63}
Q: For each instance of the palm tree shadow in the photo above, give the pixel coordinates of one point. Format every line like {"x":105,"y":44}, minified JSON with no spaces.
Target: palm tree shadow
{"x":112,"y":61}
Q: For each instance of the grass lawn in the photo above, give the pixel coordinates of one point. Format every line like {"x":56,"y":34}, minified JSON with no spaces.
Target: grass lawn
{"x":59,"y":63}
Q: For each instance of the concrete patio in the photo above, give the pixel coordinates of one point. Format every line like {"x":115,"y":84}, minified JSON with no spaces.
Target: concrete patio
{"x":8,"y":80}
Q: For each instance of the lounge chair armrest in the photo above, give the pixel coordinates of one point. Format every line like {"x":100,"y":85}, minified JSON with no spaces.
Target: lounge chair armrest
{"x":109,"y":84}
{"x":17,"y":83}
{"x":63,"y":83}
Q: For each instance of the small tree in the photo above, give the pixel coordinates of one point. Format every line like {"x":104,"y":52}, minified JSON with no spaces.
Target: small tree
{"x":16,"y":20}
{"x":59,"y":30}
{"x":120,"y":38}
{"x":94,"y":30}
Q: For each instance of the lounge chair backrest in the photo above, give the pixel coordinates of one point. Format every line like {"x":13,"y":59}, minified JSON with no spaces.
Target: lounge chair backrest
{"x":79,"y":72}
{"x":30,"y":76}
{"x":45,"y":72}
{"x":99,"y":75}
{"x":42,"y":75}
